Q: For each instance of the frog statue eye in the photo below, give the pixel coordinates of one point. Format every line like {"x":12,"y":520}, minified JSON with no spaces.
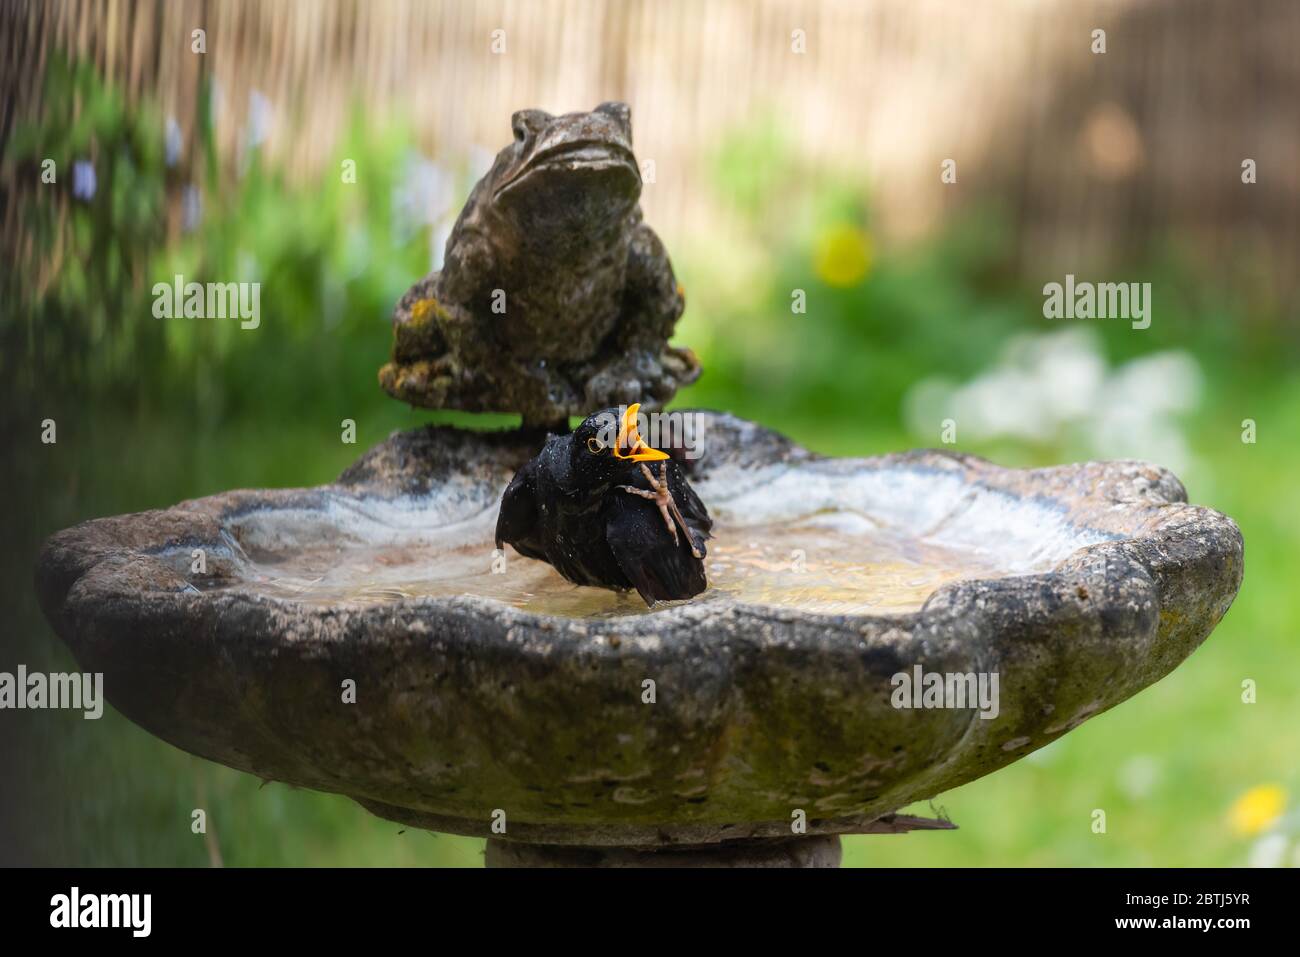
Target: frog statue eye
{"x":595,"y":446}
{"x":528,"y":123}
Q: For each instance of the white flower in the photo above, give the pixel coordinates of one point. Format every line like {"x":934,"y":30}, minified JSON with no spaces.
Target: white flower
{"x":1268,"y":851}
{"x":259,"y":119}
{"x":1056,"y":386}
{"x":172,"y":142}
{"x":191,"y":208}
{"x":422,"y":197}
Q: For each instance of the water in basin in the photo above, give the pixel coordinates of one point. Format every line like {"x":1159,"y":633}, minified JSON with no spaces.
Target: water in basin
{"x":825,"y":538}
{"x":833,"y":562}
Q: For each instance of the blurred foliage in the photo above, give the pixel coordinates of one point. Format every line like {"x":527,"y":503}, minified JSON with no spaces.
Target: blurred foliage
{"x":69,"y":305}
{"x":152,"y":411}
{"x":877,"y":318}
{"x":331,"y":258}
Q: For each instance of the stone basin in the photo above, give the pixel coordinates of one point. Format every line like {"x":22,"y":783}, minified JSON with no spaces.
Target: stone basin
{"x":487,"y":688}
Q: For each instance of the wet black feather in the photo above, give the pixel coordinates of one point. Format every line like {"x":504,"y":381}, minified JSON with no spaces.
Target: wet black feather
{"x":565,"y":507}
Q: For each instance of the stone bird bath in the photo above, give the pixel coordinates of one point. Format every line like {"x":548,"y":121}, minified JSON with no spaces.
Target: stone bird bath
{"x":594,"y":731}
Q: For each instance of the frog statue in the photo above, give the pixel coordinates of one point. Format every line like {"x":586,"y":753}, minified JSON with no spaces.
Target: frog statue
{"x":554,"y":298}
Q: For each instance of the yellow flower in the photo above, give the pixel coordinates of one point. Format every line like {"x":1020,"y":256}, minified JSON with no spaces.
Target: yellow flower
{"x":1258,"y":809}
{"x":842,"y":256}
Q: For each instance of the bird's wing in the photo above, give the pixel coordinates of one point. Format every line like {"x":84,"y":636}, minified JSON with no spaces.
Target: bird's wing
{"x":517,"y":520}
{"x":659,"y":568}
{"x":692,"y":508}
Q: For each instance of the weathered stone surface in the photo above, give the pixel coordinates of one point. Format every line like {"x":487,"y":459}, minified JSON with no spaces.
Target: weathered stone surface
{"x":466,"y":705}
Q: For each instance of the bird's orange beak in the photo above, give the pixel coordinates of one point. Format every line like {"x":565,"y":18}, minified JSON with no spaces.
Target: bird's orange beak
{"x":629,"y":445}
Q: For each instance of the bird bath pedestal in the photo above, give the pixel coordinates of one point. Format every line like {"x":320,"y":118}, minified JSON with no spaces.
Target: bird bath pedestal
{"x":572,"y":725}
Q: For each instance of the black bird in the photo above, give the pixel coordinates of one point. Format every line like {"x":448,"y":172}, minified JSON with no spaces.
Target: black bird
{"x":603,"y":508}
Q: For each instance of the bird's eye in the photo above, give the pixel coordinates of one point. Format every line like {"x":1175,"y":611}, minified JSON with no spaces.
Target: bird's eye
{"x":594,"y":446}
